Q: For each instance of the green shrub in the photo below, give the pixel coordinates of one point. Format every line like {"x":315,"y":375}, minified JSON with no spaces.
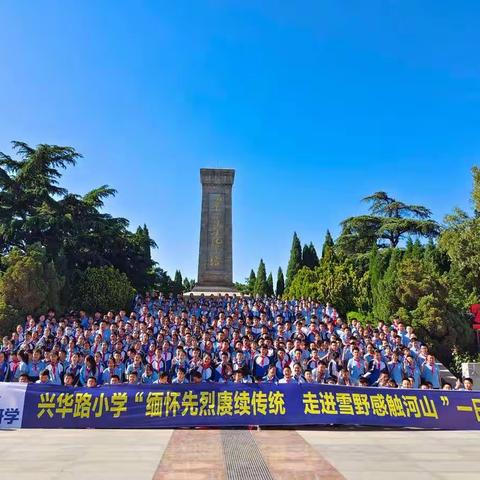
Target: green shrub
{"x":102,"y":289}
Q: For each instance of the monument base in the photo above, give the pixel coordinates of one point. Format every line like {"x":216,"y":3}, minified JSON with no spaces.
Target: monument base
{"x":207,"y":291}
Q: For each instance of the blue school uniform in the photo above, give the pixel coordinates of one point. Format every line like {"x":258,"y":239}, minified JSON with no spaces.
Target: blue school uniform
{"x":413,"y":372}
{"x":4,"y":371}
{"x":284,"y":380}
{"x":356,"y":368}
{"x":272,"y":381}
{"x":22,"y":369}
{"x":55,"y":373}
{"x":107,"y":375}
{"x":167,"y":359}
{"x":431,"y":374}
{"x":132,"y":368}
{"x":395,"y":371}
{"x":120,"y":371}
{"x":149,"y":379}
{"x":85,"y":373}
{"x":176,"y":366}
{"x":260,"y":366}
{"x":34,"y":369}
{"x":207,"y":374}
{"x":374,"y":370}
{"x":176,"y":380}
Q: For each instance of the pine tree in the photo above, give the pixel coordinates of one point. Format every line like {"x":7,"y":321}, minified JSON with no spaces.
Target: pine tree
{"x":270,"y":291}
{"x":375,"y":272}
{"x":187,"y":285}
{"x":280,"y":283}
{"x":261,"y":281}
{"x":251,"y":282}
{"x":386,"y":303}
{"x":306,"y":258}
{"x":295,"y":262}
{"x":309,"y":256}
{"x":328,"y":243}
{"x":177,"y":282}
{"x":328,"y":251}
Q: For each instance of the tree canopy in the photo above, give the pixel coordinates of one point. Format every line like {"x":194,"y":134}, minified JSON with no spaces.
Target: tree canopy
{"x":388,"y":222}
{"x":398,"y":262}
{"x":74,"y":231}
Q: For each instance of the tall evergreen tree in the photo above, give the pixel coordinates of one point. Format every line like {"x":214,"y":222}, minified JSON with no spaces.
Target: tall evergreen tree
{"x":251,"y":282}
{"x":309,"y":256}
{"x":385,"y":300}
{"x":327,"y":243}
{"x":188,"y":284}
{"x":306,"y":256}
{"x":261,"y":286}
{"x":177,"y":282}
{"x":280,"y":283}
{"x":270,"y":291}
{"x":375,"y":273}
{"x":315,"y":262}
{"x":295,"y":261}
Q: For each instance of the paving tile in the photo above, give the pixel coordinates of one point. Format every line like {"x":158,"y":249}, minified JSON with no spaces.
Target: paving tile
{"x":289,"y":456}
{"x":192,"y":455}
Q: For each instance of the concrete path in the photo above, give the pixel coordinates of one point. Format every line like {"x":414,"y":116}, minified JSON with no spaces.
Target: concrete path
{"x":354,"y":454}
{"x":81,"y":454}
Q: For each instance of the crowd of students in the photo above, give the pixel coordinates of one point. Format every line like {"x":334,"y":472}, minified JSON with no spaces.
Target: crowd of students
{"x":217,"y":339}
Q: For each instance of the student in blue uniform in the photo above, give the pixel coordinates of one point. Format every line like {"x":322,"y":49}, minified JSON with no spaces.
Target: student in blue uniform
{"x":89,"y":369}
{"x":356,"y":366}
{"x":395,"y":369}
{"x":44,"y":378}
{"x":411,"y":370}
{"x":207,"y":370}
{"x":261,"y":363}
{"x":271,"y":376}
{"x":375,"y":368}
{"x":181,"y":376}
{"x":136,"y":366}
{"x":109,"y":371}
{"x":36,"y":365}
{"x":69,"y":380}
{"x":133,"y":378}
{"x":23,"y":378}
{"x":149,"y":375}
{"x":4,"y":368}
{"x":430,"y":372}
{"x":55,"y":369}
{"x":287,"y":376}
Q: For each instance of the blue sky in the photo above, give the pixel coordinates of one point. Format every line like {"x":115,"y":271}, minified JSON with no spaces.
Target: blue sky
{"x":314,"y":103}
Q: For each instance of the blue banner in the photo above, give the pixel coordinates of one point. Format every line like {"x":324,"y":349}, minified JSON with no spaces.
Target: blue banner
{"x":220,"y":405}
{"x":12,"y":397}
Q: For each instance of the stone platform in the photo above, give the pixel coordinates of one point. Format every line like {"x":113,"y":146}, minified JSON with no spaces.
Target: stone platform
{"x":207,"y":292}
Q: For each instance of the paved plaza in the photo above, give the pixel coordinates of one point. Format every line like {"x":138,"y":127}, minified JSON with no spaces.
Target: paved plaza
{"x":197,"y":454}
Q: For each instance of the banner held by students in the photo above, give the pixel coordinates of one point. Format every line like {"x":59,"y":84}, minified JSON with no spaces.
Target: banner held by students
{"x":189,"y":405}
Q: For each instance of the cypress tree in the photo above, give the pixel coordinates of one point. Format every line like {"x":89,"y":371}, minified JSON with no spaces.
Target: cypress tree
{"x":280,"y":283}
{"x":327,"y":243}
{"x":295,"y":262}
{"x":261,"y":281}
{"x":177,"y":282}
{"x":270,"y":291}
{"x":251,"y":282}
{"x":306,"y":257}
{"x":375,"y":272}
{"x":313,"y":255}
{"x":386,"y":302}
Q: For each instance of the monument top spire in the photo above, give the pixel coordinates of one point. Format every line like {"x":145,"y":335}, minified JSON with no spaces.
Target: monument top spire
{"x":220,"y":176}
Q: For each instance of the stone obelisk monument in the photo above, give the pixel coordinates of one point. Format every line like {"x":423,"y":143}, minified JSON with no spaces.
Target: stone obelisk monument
{"x":215,"y":257}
